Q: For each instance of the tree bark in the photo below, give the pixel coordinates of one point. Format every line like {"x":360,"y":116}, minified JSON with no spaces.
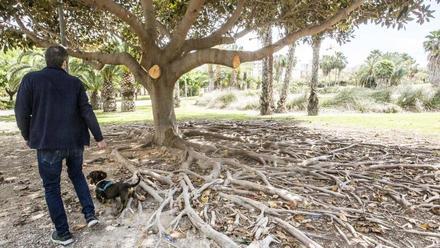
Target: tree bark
{"x":163,"y":112}
{"x":287,"y":77}
{"x":266,"y":99}
{"x":217,"y":75}
{"x":108,"y":97}
{"x":95,"y":100}
{"x":245,"y":81}
{"x":278,"y":71}
{"x":127,"y":92}
{"x":312,"y":107}
{"x":62,"y":25}
{"x":434,"y":70}
{"x":211,"y":77}
{"x":234,"y":79}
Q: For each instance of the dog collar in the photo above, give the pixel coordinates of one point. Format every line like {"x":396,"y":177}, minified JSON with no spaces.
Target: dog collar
{"x":103,"y":185}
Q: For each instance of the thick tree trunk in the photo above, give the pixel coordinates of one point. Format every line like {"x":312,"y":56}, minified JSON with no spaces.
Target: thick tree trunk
{"x":312,"y":107}
{"x":108,"y":97}
{"x":211,"y":75}
{"x":266,"y":99}
{"x":287,"y":77}
{"x":127,"y":92}
{"x":434,"y":70}
{"x":163,"y":112}
{"x":95,"y":100}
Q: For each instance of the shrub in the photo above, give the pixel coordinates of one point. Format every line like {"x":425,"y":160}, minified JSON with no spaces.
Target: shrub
{"x":348,"y":99}
{"x":382,"y":96}
{"x":6,"y":105}
{"x":434,"y":102}
{"x":297,"y":103}
{"x":413,"y":99}
{"x":217,"y":99}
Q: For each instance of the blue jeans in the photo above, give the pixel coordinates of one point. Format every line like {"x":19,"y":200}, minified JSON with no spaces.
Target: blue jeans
{"x":49,"y":166}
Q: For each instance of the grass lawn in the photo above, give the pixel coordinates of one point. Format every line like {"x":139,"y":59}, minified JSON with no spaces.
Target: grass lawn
{"x":423,"y":123}
{"x":144,"y":114}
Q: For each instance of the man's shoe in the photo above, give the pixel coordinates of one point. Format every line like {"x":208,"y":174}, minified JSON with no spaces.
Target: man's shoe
{"x":92,"y":221}
{"x":61,"y":240}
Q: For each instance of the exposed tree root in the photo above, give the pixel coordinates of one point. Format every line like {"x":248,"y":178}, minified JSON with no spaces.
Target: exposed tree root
{"x":297,"y":234}
{"x":128,"y":164}
{"x":203,"y":227}
{"x":319,"y":191}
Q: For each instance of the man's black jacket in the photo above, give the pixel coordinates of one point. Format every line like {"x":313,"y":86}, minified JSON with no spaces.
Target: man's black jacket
{"x":53,"y":111}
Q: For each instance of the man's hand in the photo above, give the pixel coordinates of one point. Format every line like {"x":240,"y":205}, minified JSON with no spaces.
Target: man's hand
{"x":102,"y":145}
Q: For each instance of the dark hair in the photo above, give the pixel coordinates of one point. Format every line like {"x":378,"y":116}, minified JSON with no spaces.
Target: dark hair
{"x":55,"y":56}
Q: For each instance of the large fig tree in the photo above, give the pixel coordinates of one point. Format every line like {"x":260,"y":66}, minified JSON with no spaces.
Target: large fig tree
{"x":169,"y":38}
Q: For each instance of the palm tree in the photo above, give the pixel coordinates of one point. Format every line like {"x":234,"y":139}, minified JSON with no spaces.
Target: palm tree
{"x":290,"y":64}
{"x":340,"y":63}
{"x":127,"y":91}
{"x":26,"y":62}
{"x":312,"y":107}
{"x":109,"y":73}
{"x":432,"y":46}
{"x":266,"y":99}
{"x":91,"y":78}
{"x":280,"y":62}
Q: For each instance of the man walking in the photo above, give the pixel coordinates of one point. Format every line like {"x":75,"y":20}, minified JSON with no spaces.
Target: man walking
{"x":54,"y":115}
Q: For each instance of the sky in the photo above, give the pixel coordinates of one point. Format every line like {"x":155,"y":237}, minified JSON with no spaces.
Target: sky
{"x":366,"y":38}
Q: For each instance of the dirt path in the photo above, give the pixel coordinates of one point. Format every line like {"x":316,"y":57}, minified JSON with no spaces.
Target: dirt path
{"x":24,"y":221}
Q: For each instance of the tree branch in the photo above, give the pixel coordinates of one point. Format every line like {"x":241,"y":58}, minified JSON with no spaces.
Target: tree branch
{"x":123,"y":14}
{"x":150,"y":20}
{"x":206,"y":42}
{"x":225,"y":57}
{"x":231,"y":21}
{"x":123,"y":58}
{"x":179,"y":34}
{"x":162,"y":29}
{"x":216,"y":38}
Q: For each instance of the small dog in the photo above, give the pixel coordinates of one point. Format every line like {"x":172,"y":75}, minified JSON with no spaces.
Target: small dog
{"x":109,"y":190}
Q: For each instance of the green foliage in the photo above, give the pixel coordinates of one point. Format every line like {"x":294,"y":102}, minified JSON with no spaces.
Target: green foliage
{"x":434,"y":102}
{"x":6,"y":105}
{"x":92,"y":79}
{"x":432,"y":43}
{"x":297,"y":103}
{"x":349,"y":99}
{"x":111,"y":73}
{"x":14,"y":65}
{"x":390,"y":66}
{"x":338,"y":62}
{"x":382,"y":96}
{"x":227,"y":99}
{"x":383,"y":69}
{"x":419,"y":99}
{"x":326,"y":64}
{"x":194,"y":82}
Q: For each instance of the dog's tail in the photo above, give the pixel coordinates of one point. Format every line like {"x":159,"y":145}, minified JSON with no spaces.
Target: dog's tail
{"x":135,"y":184}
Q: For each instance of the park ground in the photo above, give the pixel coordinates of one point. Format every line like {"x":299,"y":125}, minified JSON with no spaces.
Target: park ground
{"x":401,"y":138}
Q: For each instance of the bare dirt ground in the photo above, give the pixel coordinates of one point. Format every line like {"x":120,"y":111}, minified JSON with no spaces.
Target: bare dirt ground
{"x":245,"y":181}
